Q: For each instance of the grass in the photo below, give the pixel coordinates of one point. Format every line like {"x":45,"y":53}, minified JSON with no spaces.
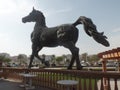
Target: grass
{"x":55,"y":77}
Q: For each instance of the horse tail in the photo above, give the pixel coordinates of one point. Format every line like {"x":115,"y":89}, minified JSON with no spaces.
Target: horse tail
{"x":77,"y":22}
{"x":88,"y":25}
{"x":91,"y":30}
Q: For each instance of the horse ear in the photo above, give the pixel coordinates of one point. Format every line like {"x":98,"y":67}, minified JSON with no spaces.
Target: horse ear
{"x":33,"y":9}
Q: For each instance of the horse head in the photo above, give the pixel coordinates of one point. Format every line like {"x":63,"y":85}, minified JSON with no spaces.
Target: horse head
{"x":34,"y":16}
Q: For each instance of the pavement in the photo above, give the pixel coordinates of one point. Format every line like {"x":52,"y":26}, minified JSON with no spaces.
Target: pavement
{"x":8,"y":85}
{"x":14,"y":85}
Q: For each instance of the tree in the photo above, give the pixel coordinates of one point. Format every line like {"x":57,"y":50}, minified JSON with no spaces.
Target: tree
{"x":7,"y":60}
{"x":53,"y":60}
{"x":22,"y":59}
{"x":64,"y":58}
{"x":93,"y":58}
{"x":1,"y":60}
{"x":59,"y":59}
{"x":84,"y":56}
{"x":4,"y":59}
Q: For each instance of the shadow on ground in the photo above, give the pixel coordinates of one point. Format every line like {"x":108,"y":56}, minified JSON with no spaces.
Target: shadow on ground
{"x":13,"y":85}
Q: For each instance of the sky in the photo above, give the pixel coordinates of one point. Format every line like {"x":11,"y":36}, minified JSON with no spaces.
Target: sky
{"x":15,"y":35}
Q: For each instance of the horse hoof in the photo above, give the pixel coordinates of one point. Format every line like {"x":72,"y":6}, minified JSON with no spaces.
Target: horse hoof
{"x":69,"y":68}
{"x":79,"y":68}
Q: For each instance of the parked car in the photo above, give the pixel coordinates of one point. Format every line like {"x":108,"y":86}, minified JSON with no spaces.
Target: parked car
{"x":85,"y":64}
{"x":110,"y":64}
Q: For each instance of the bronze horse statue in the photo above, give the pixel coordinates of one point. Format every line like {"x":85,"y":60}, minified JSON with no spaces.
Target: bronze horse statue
{"x":64,"y":35}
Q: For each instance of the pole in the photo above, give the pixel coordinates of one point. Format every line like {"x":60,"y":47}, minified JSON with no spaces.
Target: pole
{"x":104,"y":79}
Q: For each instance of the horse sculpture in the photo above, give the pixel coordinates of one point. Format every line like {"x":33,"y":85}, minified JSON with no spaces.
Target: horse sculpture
{"x":64,"y":35}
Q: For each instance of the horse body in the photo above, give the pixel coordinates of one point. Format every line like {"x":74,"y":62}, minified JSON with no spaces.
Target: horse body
{"x":64,"y":35}
{"x":56,"y":36}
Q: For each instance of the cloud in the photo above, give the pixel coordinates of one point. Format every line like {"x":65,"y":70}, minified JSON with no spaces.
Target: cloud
{"x":116,"y":30}
{"x":11,"y":6}
{"x":7,"y":6}
{"x":114,"y":41}
{"x":63,"y":10}
{"x":57,"y":11}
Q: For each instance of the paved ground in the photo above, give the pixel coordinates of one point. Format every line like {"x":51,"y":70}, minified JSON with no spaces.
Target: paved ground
{"x":13,"y":85}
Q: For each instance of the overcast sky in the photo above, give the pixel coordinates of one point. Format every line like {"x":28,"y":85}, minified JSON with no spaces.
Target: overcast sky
{"x":15,"y":35}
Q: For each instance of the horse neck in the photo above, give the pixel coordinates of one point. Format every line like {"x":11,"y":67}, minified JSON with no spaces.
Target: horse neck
{"x":40,"y":24}
{"x":41,"y":21}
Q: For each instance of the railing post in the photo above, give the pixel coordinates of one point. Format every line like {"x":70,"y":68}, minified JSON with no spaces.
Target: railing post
{"x":5,"y":74}
{"x":90,"y":84}
{"x":104,"y":79}
{"x":116,"y":87}
{"x":85,"y":85}
{"x":109,"y":87}
{"x":101,"y":87}
{"x":96,"y":87}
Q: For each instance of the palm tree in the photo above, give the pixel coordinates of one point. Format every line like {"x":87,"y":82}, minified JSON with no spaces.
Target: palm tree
{"x":21,"y":59}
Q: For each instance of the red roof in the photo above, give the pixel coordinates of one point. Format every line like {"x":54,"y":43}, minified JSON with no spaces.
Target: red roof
{"x":110,"y":54}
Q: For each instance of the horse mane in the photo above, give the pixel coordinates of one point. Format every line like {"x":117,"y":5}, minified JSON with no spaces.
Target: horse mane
{"x":42,"y":17}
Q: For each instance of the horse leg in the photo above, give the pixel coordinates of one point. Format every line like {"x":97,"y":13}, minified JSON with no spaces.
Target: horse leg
{"x":79,"y":67}
{"x":37,"y":56}
{"x":75,"y":55}
{"x":34,"y":48}
{"x":71,"y":62}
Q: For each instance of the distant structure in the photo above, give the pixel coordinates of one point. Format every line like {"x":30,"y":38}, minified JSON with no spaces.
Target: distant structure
{"x":113,"y":54}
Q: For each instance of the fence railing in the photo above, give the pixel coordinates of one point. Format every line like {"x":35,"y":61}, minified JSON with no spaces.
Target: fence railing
{"x":88,"y":80}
